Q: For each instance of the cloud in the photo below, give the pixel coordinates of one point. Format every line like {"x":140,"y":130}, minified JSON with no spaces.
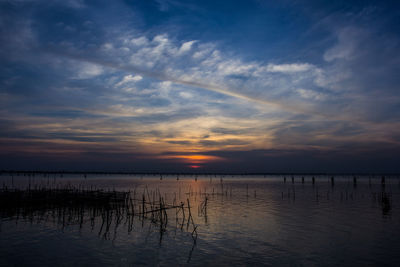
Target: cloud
{"x":139,"y":41}
{"x":88,"y":70}
{"x":289,"y":68}
{"x":129,"y":78}
{"x":310,"y":94}
{"x":361,"y":69}
{"x":349,"y":39}
{"x":193,"y":80}
{"x":185,"y":95}
{"x":203,"y":50}
{"x":186,"y":46}
{"x":272,"y":87}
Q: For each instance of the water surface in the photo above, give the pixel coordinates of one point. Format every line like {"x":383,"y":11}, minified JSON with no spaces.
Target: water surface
{"x":249,"y":220}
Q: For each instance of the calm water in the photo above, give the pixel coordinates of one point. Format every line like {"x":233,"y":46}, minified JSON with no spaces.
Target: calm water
{"x":248,"y":221}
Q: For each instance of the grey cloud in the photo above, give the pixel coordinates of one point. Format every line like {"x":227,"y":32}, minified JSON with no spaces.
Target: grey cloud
{"x":218,"y":130}
{"x":228,"y":142}
{"x":180,"y":142}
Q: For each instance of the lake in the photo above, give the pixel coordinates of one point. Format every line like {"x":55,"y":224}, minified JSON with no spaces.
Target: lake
{"x":235,"y":220}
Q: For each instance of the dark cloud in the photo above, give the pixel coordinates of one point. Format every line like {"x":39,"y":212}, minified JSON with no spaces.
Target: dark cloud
{"x":227,"y":142}
{"x":180,"y":142}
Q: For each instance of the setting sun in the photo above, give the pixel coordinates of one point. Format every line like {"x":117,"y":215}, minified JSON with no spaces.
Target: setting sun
{"x":195,"y":166}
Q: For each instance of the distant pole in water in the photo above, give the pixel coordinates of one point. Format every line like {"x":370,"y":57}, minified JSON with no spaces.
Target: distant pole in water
{"x":313,"y":180}
{"x":383,"y":181}
{"x":354,"y":181}
{"x":332,"y":181}
{"x":284,"y":179}
{"x":302,"y":179}
{"x":292,"y":180}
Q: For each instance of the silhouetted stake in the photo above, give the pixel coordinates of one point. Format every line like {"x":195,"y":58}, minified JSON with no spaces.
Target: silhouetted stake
{"x":332,"y":181}
{"x":143,"y":201}
{"x":190,"y":215}
{"x":383,"y":181}
{"x":313,"y":180}
{"x":190,"y":253}
{"x":302,"y":179}
{"x":354,"y":181}
{"x":386,"y":203}
{"x":284,"y":179}
{"x":292,"y":180}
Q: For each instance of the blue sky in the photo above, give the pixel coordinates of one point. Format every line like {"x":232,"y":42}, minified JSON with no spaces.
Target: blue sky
{"x":247,"y":86}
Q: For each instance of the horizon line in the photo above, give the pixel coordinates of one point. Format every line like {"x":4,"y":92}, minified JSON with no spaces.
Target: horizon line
{"x":189,"y":173}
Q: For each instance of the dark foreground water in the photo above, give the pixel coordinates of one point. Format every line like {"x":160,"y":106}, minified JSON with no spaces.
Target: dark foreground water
{"x":248,"y":220}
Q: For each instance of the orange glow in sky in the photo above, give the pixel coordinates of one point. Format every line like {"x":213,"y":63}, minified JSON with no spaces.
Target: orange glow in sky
{"x":194,"y":160}
{"x":195,"y":166}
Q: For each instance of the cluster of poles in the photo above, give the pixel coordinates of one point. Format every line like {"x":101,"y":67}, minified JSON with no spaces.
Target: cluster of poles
{"x":77,"y":206}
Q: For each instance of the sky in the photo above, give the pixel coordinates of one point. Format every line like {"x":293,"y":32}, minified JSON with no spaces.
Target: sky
{"x":202,"y":86}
